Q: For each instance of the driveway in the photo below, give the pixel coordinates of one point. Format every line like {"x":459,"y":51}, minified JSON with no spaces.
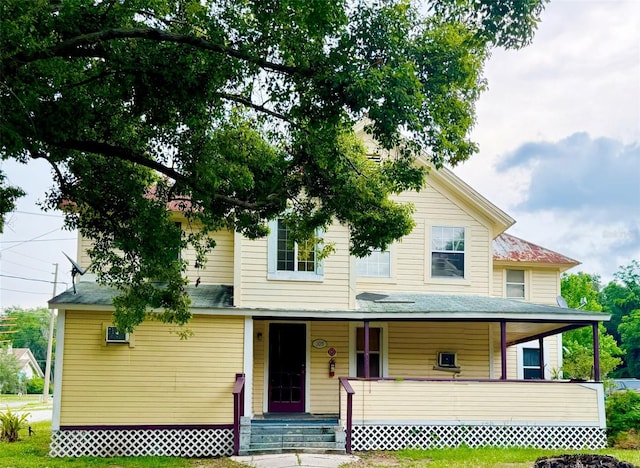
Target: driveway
{"x":38,"y":411}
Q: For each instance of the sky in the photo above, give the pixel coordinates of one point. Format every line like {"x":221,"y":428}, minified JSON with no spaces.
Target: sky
{"x":559,"y":134}
{"x":559,"y":137}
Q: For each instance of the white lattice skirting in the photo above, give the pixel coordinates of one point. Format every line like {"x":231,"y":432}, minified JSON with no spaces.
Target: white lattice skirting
{"x":142,"y":442}
{"x":395,"y":437}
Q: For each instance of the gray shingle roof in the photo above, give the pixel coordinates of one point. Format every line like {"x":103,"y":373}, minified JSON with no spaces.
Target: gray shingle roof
{"x":442,"y":303}
{"x":205,"y":296}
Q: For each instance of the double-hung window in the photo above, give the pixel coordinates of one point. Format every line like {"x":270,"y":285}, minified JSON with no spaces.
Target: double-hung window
{"x":447,"y":252}
{"x":375,"y":265}
{"x":378,"y":350}
{"x":515,"y":284}
{"x":375,"y":352}
{"x":289,"y":260}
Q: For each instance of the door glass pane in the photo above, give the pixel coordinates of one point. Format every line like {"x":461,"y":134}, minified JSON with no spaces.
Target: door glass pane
{"x":531,"y":357}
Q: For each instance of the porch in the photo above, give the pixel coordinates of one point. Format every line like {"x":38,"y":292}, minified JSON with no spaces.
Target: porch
{"x":391,"y":414}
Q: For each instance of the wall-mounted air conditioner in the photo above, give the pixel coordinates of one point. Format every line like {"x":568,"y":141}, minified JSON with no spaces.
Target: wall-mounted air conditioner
{"x":114,"y":336}
{"x":446,"y":359}
{"x":448,"y":362}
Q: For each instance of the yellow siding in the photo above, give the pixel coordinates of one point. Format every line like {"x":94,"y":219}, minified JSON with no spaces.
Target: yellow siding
{"x":479,"y":402}
{"x":413,"y":348}
{"x":219,"y":266}
{"x":218,"y":269}
{"x":259,"y":362}
{"x":545,"y":286}
{"x":160,"y":380}
{"x":499,"y":279}
{"x":324,"y":389}
{"x":435,"y":206}
{"x":551,"y":359}
{"x":331,"y":293}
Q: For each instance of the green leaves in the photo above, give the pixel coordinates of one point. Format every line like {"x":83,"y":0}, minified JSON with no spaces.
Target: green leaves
{"x":232,"y":112}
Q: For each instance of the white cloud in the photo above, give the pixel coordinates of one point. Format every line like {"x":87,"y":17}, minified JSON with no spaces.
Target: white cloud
{"x":559,"y":133}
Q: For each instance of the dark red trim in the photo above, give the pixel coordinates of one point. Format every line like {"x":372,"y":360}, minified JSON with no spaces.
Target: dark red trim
{"x":238,"y":410}
{"x":367,"y":356}
{"x":541,"y":354}
{"x":596,"y":352}
{"x":437,"y":379}
{"x":503,"y":350}
{"x":556,"y":331}
{"x":344,"y":381}
{"x":147,"y":427}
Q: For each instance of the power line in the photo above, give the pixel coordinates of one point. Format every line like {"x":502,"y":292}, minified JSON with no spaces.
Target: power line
{"x":40,"y":240}
{"x":30,"y":257}
{"x":26,"y":279}
{"x":26,"y":292}
{"x":22,"y":265}
{"x":37,"y":214}
{"x":30,"y":240}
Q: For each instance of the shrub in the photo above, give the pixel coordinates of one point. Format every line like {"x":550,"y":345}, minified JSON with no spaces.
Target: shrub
{"x":623,"y":413}
{"x":35,"y":385}
{"x":11,"y":425}
{"x":628,"y":440}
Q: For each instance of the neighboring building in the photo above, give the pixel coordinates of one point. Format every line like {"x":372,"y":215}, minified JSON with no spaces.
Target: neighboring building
{"x":29,"y":367}
{"x":450,"y":337}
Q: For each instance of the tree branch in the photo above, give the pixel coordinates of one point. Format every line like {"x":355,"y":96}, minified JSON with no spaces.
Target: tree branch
{"x":71,"y":46}
{"x":127,"y":154}
{"x":246,"y":102}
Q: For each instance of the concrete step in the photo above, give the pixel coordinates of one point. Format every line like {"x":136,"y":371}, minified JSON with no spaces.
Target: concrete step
{"x":290,"y":438}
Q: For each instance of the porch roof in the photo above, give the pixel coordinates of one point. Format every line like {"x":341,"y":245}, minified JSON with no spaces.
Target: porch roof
{"x":90,"y":293}
{"x":525,"y":320}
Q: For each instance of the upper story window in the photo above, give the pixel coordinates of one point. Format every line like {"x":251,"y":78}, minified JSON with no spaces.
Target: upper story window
{"x":289,"y":260}
{"x":447,"y":252}
{"x":515,"y":284}
{"x":376,"y":265}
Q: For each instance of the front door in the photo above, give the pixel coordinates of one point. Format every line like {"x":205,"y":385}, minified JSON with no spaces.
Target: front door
{"x":287,"y":357}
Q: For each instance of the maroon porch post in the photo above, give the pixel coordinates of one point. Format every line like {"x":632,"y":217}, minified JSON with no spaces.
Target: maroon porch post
{"x":347,"y":387}
{"x":503,"y":350}
{"x":367,"y":370}
{"x":596,"y":352}
{"x":238,"y":410}
{"x":541,"y":351}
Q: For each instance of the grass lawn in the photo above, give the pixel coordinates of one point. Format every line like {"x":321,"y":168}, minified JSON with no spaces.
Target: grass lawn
{"x":32,"y":452}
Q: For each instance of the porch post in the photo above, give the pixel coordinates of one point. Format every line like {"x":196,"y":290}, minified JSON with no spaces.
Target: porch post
{"x":541,"y":351}
{"x":367,"y":369}
{"x":596,"y":352}
{"x":503,"y":349}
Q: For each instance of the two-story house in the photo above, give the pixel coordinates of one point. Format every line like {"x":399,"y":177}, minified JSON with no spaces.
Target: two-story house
{"x":451,"y":336}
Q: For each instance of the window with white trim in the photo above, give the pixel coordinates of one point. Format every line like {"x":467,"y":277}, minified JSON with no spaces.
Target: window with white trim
{"x":531,"y":364}
{"x":515,"y":284}
{"x":375,"y":352}
{"x":375,"y":265}
{"x":289,"y":260}
{"x":447,"y":252}
{"x":378,"y":349}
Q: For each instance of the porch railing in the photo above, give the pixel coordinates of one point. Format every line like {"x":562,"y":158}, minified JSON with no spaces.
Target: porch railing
{"x":238,"y":410}
{"x":344,"y":382}
{"x":377,"y":401}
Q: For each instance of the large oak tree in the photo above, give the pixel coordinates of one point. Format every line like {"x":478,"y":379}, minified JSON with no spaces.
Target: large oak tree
{"x":235,"y":111}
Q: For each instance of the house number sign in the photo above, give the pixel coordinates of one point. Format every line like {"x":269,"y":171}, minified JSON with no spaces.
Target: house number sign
{"x":319,"y":343}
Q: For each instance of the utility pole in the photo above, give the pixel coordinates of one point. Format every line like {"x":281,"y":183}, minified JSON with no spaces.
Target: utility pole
{"x":52,"y":318}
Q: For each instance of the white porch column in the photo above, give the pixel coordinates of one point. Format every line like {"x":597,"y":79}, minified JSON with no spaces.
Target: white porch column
{"x":57,"y":378}
{"x":248,"y":366}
